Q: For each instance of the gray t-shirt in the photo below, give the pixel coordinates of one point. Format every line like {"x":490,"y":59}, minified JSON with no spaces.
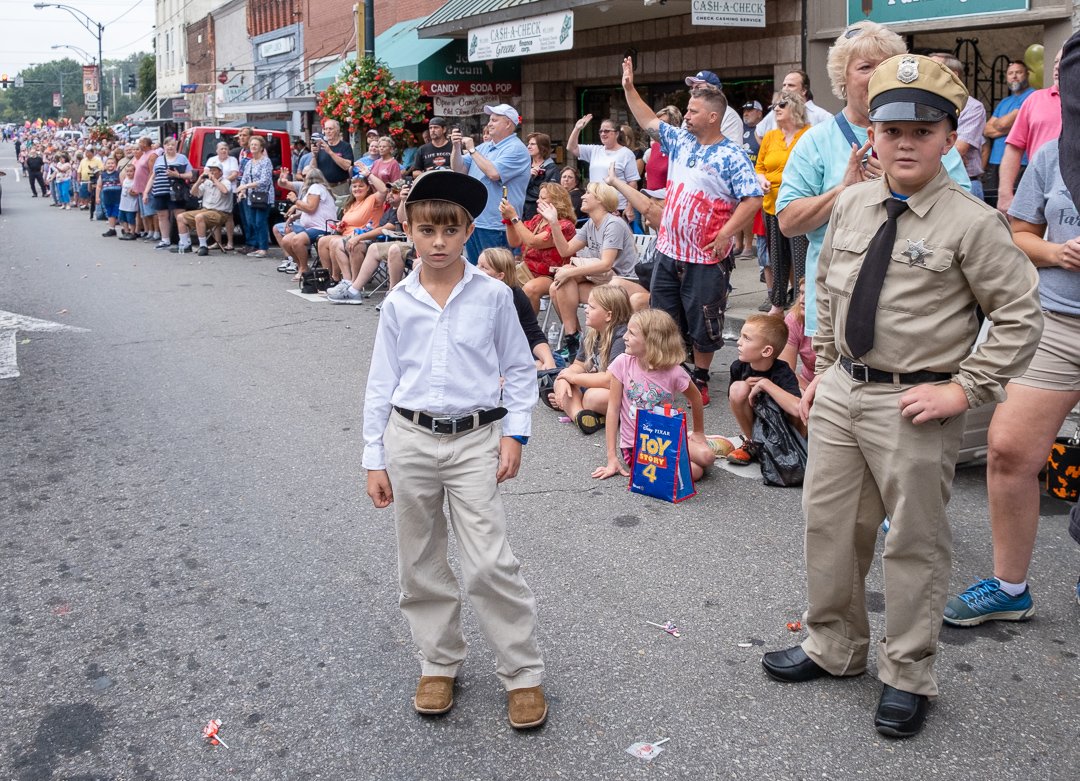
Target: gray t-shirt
{"x":612,"y":233}
{"x":1043,"y":199}
{"x":213,"y":198}
{"x":618,"y":347}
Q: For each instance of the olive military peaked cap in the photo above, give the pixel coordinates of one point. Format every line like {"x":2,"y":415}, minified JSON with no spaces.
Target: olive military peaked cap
{"x":913,"y":88}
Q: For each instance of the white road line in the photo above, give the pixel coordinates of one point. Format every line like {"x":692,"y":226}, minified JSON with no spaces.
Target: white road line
{"x":10,"y":325}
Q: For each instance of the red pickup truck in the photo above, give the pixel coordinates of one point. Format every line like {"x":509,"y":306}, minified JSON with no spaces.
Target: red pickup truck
{"x":199,"y":144}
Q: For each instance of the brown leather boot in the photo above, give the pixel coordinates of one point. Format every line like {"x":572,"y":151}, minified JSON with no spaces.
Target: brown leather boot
{"x":434,"y":695}
{"x":528,"y":708}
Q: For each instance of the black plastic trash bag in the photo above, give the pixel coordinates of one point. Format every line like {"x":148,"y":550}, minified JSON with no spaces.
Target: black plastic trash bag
{"x":781,"y":449}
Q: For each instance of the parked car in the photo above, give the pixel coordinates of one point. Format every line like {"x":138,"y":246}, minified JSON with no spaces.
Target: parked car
{"x":135,"y":132}
{"x":71,"y":136}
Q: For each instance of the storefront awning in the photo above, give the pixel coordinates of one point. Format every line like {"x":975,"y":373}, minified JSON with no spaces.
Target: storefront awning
{"x":456,"y":17}
{"x":401,"y":49}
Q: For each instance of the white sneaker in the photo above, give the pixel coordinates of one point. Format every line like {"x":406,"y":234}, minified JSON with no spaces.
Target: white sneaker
{"x":344,"y":295}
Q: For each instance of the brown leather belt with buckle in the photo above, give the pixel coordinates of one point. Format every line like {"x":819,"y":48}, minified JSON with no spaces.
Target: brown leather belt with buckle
{"x":453,"y":425}
{"x":860,"y":372}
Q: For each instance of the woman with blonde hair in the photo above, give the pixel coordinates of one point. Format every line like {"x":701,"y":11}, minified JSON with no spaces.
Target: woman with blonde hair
{"x":787,"y":256}
{"x":601,"y":252}
{"x":498,"y":263}
{"x":836,"y":154}
{"x":581,"y":389}
{"x":539,"y":257}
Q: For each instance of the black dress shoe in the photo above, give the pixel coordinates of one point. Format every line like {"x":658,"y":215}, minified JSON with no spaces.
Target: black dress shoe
{"x":792,"y":665}
{"x":900,"y":714}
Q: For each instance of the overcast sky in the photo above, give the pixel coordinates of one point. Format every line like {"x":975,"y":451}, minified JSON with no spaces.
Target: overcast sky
{"x":27,"y":33}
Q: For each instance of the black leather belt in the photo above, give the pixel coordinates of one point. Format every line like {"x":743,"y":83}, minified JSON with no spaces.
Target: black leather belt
{"x":453,"y":425}
{"x":860,"y":372}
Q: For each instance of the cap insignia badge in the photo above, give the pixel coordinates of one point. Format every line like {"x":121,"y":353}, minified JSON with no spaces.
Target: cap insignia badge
{"x":908,"y":70}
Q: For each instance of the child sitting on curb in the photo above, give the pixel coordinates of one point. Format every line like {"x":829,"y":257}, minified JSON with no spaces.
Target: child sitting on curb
{"x":648,"y":375}
{"x":757,"y":370}
{"x":499,"y":263}
{"x":581,"y":389}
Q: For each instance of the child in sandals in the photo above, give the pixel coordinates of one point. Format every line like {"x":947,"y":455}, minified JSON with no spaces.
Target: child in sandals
{"x":649,"y":375}
{"x":581,"y":389}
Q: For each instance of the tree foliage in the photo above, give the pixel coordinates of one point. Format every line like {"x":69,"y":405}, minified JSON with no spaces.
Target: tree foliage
{"x":147,"y":77}
{"x":34,"y":99}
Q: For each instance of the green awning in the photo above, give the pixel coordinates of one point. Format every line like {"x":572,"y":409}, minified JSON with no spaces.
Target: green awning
{"x":404,"y":51}
{"x":412,"y":58}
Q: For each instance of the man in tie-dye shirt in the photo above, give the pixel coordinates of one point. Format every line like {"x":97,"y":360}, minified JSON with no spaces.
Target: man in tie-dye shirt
{"x":712,"y":195}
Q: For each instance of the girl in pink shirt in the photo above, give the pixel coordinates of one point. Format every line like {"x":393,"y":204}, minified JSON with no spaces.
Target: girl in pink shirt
{"x":649,"y":374}
{"x":799,"y":345}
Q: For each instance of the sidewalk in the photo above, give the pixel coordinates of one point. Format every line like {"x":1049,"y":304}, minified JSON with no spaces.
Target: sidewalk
{"x":746,"y":296}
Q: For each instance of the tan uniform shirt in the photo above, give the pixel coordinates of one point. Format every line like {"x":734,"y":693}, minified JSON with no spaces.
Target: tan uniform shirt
{"x":952,"y":252}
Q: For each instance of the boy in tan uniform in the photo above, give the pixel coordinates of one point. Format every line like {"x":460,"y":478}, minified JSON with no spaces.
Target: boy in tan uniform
{"x":906,"y":260}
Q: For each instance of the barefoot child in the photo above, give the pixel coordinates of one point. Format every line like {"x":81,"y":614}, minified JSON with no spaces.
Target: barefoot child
{"x":649,"y":374}
{"x":432,"y":431}
{"x":581,"y":389}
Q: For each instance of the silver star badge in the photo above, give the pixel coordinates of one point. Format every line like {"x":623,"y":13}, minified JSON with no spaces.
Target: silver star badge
{"x":917,"y":251}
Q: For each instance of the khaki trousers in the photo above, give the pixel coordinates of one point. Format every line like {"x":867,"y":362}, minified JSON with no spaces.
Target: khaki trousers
{"x":425,"y":468}
{"x":866,"y":462}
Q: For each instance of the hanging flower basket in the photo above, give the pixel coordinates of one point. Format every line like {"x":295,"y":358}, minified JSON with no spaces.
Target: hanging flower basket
{"x":366,"y":95}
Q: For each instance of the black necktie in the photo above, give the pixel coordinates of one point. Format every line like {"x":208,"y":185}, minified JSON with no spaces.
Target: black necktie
{"x":862,"y":309}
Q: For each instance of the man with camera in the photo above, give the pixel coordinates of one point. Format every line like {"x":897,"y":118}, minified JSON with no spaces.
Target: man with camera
{"x":333,"y":156}
{"x":216,"y":195}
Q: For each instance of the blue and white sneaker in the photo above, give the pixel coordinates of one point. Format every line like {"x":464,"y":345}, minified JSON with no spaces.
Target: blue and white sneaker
{"x":985,"y":601}
{"x":344,"y":295}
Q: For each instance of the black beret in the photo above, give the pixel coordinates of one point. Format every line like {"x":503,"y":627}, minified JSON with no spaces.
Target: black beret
{"x":450,"y":186}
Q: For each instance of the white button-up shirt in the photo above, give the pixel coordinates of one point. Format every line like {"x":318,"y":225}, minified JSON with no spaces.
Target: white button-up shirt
{"x":447,"y":361}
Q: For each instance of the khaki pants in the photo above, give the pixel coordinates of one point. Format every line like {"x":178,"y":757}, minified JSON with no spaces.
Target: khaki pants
{"x":866,"y":462}
{"x":425,"y":468}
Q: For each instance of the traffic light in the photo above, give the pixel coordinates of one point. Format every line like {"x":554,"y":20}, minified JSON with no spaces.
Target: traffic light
{"x":131,"y":82}
{"x":3,"y":81}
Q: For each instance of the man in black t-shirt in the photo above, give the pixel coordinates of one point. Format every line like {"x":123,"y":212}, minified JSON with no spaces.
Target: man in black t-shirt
{"x":436,"y":155}
{"x":34,"y":164}
{"x":333,"y":156}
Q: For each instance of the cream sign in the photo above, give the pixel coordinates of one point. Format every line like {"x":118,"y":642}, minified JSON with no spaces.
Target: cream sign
{"x":536,"y":35}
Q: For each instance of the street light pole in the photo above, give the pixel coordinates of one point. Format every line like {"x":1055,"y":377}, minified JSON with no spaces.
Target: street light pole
{"x":94,"y":28}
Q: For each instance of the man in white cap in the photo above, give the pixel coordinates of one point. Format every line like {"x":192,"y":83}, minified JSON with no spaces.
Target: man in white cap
{"x":731,"y":124}
{"x":502,"y":164}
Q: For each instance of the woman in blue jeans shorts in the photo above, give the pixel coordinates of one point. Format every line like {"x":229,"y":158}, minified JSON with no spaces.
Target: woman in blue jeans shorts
{"x":258,"y":177}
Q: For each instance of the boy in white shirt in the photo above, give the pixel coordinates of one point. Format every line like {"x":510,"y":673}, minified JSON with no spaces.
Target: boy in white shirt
{"x":446,"y":334}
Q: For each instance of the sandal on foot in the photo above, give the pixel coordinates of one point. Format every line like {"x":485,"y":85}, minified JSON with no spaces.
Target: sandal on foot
{"x":589,"y":422}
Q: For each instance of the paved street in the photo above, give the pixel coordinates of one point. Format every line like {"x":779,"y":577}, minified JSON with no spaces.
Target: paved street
{"x":184,"y":536}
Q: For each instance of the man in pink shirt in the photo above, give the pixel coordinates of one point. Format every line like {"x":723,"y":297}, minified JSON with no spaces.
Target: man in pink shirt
{"x":1038,"y":121}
